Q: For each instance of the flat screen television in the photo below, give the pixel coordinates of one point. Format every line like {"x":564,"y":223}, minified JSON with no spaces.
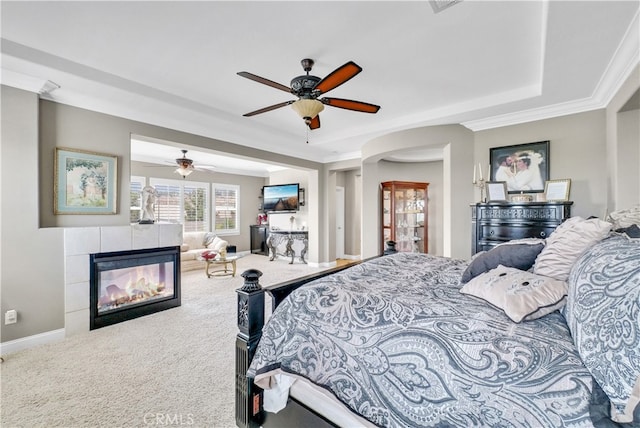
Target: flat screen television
{"x":281,"y":197}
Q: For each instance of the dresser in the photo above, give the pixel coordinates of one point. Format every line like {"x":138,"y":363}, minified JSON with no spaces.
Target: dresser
{"x":493,"y":223}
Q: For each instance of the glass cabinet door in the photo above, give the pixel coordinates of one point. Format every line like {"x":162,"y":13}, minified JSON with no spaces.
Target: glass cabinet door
{"x":404,"y":209}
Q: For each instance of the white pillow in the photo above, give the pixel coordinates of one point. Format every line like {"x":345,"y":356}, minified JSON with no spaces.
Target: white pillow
{"x":523,"y":296}
{"x":567,"y":243}
{"x":217,"y":244}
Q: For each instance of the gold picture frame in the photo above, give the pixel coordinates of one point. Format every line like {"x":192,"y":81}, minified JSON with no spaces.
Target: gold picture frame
{"x":496,"y":191}
{"x":84,"y":182}
{"x":557,"y":190}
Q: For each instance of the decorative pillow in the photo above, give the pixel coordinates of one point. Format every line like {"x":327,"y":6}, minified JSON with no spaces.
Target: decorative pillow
{"x":523,"y":296}
{"x":184,"y":247}
{"x":218,"y":244}
{"x":567,"y":243}
{"x":603,"y":314}
{"x":208,"y":238}
{"x":519,"y":254}
{"x":624,"y":218}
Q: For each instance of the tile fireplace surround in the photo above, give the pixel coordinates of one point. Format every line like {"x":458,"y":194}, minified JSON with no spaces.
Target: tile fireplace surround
{"x":79,"y":242}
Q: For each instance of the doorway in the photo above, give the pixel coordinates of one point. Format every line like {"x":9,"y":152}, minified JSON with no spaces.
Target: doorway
{"x":339,"y":222}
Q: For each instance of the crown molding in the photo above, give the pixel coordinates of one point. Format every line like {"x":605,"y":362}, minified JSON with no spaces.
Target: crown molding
{"x":26,"y":82}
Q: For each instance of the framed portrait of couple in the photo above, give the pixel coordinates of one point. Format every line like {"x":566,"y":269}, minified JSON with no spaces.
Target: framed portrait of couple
{"x":523,"y":167}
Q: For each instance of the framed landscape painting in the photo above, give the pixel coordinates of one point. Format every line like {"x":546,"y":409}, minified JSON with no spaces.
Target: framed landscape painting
{"x":84,"y":182}
{"x":524,"y":167}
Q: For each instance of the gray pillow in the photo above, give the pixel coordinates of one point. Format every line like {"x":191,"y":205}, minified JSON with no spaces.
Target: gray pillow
{"x":520,"y":254}
{"x":602,"y":315}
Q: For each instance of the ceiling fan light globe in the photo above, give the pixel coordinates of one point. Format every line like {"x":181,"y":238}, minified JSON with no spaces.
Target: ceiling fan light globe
{"x":307,"y":108}
{"x":184,"y":172}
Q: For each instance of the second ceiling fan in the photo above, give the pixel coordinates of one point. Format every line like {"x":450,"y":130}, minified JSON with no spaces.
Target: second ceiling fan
{"x":309,"y":88}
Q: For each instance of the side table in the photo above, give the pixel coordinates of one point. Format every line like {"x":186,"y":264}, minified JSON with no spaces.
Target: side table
{"x":224,"y":270}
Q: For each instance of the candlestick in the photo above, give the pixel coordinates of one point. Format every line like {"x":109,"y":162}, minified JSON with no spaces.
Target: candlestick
{"x":481,"y":185}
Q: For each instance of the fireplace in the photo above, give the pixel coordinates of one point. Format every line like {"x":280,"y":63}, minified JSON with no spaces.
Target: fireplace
{"x":129,"y":284}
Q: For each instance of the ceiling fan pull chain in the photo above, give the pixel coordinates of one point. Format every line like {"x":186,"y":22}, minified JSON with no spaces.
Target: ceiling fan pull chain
{"x":307,"y":130}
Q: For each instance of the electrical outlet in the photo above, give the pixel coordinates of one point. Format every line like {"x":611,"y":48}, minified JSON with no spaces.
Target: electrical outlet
{"x":11,"y":317}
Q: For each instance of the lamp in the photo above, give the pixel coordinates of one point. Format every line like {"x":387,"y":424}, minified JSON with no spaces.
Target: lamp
{"x":184,"y":171}
{"x":307,"y":108}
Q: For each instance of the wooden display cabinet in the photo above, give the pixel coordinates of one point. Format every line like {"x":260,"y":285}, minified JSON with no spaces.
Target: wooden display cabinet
{"x":404,"y":215}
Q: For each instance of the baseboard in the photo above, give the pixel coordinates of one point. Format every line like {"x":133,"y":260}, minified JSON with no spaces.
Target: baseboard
{"x":322,"y":265}
{"x":31,"y":341}
{"x":351,"y":257}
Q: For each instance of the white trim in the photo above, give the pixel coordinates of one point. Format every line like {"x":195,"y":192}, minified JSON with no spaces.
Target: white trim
{"x":31,"y":341}
{"x":351,"y":257}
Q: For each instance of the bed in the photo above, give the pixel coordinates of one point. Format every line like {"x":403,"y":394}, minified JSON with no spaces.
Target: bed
{"x":410,"y":340}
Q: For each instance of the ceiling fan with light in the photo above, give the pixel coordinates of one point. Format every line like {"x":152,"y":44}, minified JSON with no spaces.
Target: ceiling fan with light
{"x":309,"y":88}
{"x":185,"y":165}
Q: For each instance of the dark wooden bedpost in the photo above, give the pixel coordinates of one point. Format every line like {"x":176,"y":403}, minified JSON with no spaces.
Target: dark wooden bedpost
{"x":250,"y":323}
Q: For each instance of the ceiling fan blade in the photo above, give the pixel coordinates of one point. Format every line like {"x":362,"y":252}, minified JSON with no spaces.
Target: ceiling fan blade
{"x":337,"y":77}
{"x":351,"y":105}
{"x":264,"y":81}
{"x":315,"y":122}
{"x":266,"y":109}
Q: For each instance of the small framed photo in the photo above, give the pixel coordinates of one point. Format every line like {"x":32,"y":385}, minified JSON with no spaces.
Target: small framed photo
{"x":557,"y":190}
{"x":84,"y":182}
{"x":524,"y":167}
{"x":496,"y":190}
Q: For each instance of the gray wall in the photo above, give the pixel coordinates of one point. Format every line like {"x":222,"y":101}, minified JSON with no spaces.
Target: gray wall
{"x":426,"y":172}
{"x":249,"y":194}
{"x":456,"y":143}
{"x":352,"y":183}
{"x":623,"y":145}
{"x":591,"y":148}
{"x":66,"y":126}
{"x":577,"y":151}
{"x":31,"y":275}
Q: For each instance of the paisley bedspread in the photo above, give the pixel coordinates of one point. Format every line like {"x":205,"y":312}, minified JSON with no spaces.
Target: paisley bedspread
{"x":397,"y":343}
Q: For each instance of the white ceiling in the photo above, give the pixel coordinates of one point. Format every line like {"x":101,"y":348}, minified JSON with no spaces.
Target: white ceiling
{"x":174,"y":64}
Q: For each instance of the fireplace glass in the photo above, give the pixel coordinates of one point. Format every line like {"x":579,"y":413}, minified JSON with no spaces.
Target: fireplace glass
{"x":130,"y":284}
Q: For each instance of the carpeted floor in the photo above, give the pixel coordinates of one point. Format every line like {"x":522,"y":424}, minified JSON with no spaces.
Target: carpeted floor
{"x":174,"y":367}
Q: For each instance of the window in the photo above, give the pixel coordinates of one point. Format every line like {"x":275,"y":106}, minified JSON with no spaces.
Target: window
{"x":225,"y":207}
{"x":183,"y":202}
{"x":195,"y":197}
{"x":135,"y":191}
